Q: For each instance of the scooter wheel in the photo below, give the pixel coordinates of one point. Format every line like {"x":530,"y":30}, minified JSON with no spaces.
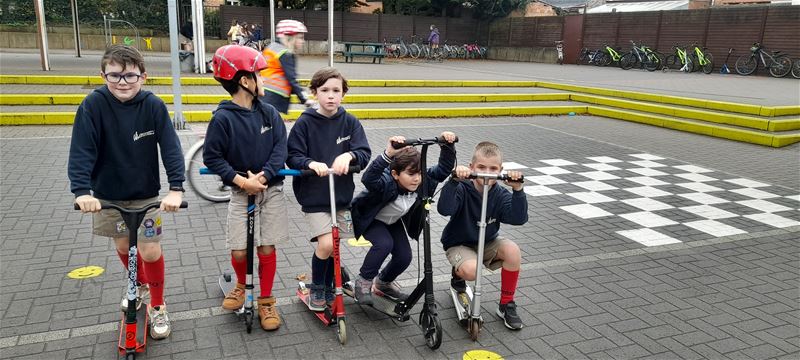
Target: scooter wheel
{"x":433,"y":331}
{"x":130,"y":356}
{"x":474,"y":329}
{"x":226,"y":277}
{"x":248,"y":321}
{"x":342,"y":332}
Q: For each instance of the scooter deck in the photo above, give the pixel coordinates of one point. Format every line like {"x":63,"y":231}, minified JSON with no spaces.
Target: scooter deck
{"x":141,"y":330}
{"x":304,"y":294}
{"x":226,"y":284}
{"x":386,"y":305}
{"x":462,"y":303}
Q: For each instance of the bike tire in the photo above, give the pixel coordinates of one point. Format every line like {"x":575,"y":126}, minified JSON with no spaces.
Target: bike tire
{"x":781,"y":67}
{"x":627,"y":61}
{"x":414,"y":50}
{"x":653,"y":62}
{"x":583,"y":58}
{"x":708,"y":67}
{"x":796,"y":69}
{"x":672,"y":63}
{"x":746,"y":65}
{"x":208,"y":187}
{"x":603,"y":59}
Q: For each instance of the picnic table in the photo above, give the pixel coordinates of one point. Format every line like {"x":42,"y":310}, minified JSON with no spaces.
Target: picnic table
{"x":353,"y":49}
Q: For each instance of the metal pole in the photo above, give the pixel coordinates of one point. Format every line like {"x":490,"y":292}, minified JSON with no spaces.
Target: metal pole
{"x":330,"y":33}
{"x":178,"y":120}
{"x":271,"y":20}
{"x":76,"y":28}
{"x":198,"y":25}
{"x":41,"y":30}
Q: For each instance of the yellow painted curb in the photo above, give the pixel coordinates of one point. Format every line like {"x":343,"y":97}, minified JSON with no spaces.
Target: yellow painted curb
{"x":785,"y":110}
{"x":784,"y":125}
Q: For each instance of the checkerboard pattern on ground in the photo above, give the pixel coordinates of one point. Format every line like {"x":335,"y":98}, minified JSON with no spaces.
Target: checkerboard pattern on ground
{"x":667,"y":201}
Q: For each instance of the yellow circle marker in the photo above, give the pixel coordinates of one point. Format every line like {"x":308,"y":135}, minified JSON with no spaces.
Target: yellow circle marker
{"x":481,"y":355}
{"x":360,"y":242}
{"x":85,"y":272}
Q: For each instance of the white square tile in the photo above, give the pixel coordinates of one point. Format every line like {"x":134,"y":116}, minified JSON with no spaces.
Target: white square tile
{"x":755,"y":193}
{"x":594,"y":185}
{"x":793,"y":197}
{"x":647,"y":191}
{"x":763,"y":205}
{"x":714,"y":228}
{"x":692,"y":169}
{"x":648,"y":237}
{"x":709,"y":212}
{"x":703,"y":198}
{"x":604,"y":159}
{"x":510,"y":165}
{"x":558,"y":162}
{"x":601,"y":166}
{"x":773,"y":220}
{"x":599,"y":175}
{"x":586,"y":211}
{"x":545,"y":180}
{"x":647,"y":172}
{"x":647,"y":204}
{"x":699,"y":187}
{"x":648,"y":219}
{"x":746,"y":182}
{"x":695,"y":177}
{"x":591,"y":197}
{"x":647,"y":157}
{"x":647,"y":164}
{"x":647,"y":181}
{"x":539,"y":190}
{"x":552,"y":170}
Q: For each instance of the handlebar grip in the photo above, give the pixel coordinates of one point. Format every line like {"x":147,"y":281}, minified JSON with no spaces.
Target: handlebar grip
{"x":294,"y":172}
{"x":504,"y":177}
{"x":420,"y":141}
{"x":398,"y":145}
{"x":354,"y":169}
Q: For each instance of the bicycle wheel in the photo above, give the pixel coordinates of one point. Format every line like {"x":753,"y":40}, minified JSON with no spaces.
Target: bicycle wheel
{"x":781,"y":67}
{"x":403,"y":50}
{"x":602,"y":59}
{"x":583,"y":58}
{"x":414,"y":50}
{"x":652,"y":62}
{"x":746,"y":65}
{"x":628,"y":61}
{"x":209,"y":187}
{"x":708,"y":67}
{"x":796,"y":69}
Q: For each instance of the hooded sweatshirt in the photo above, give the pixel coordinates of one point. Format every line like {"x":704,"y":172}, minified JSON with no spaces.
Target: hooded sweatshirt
{"x":115,"y":145}
{"x":240,"y":139}
{"x":315,"y":137}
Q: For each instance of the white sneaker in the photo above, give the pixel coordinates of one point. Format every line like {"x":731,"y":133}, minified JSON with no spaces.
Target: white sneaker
{"x":142,"y":291}
{"x":159,"y":322}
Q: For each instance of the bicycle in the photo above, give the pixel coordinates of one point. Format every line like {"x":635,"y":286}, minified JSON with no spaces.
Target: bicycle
{"x":608,"y":55}
{"x":642,"y":55}
{"x":205,"y":184}
{"x":796,"y":69}
{"x":702,"y":59}
{"x":678,"y":61}
{"x":779,"y":64}
{"x":588,"y":57}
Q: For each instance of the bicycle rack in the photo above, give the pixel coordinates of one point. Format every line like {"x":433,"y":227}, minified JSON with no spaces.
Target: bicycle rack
{"x":107,"y":30}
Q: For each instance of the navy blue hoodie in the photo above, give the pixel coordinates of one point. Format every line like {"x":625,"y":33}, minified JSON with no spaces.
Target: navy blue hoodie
{"x":315,"y":137}
{"x":462,"y":202}
{"x":115,"y":145}
{"x":382,"y":189}
{"x":240,"y":139}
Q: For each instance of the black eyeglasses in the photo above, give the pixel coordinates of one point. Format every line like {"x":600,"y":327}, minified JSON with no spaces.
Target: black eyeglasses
{"x":130,"y":78}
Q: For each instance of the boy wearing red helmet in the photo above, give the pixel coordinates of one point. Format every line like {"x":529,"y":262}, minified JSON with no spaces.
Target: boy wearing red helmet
{"x":248,"y":136}
{"x":280,"y":77}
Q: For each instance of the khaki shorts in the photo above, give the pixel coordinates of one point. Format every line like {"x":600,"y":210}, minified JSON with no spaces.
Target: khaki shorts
{"x":457,"y":255}
{"x":271,"y":225}
{"x":320,"y":224}
{"x":108,"y":222}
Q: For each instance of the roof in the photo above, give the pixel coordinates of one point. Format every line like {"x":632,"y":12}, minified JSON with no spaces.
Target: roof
{"x":564,"y":4}
{"x":640,"y":6}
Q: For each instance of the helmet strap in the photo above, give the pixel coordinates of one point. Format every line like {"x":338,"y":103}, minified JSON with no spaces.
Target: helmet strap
{"x":252,"y":76}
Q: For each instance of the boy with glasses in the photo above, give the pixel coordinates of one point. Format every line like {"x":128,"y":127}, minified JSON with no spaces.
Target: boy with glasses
{"x":118,"y":132}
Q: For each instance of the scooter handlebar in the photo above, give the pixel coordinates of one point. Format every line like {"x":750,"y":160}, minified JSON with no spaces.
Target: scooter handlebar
{"x":420,"y":141}
{"x":308,"y":172}
{"x":504,"y":177}
{"x":154,"y":204}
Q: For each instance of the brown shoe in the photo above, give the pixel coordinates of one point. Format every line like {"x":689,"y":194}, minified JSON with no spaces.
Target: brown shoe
{"x":268,"y":313}
{"x":234,"y":299}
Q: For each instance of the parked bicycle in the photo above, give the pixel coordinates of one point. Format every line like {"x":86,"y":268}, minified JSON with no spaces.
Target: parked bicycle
{"x":641,"y":56}
{"x":796,"y":69}
{"x":701,"y":59}
{"x":779,"y":65}
{"x":589,"y":57}
{"x":679,"y":60}
{"x":609,"y":55}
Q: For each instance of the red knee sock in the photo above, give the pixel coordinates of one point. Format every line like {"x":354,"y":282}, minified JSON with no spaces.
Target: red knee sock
{"x":267,"y":264}
{"x":240,"y":268}
{"x":140,"y":273}
{"x":508,"y":285}
{"x":155,"y":273}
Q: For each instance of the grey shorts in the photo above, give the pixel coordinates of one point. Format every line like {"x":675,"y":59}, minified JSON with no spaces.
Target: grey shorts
{"x":320,"y":224}
{"x":108,"y":222}
{"x":459,"y":254}
{"x":271,"y":225}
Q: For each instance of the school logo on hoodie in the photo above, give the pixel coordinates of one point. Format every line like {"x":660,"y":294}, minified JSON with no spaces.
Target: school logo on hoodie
{"x":137,"y":136}
{"x":340,"y":140}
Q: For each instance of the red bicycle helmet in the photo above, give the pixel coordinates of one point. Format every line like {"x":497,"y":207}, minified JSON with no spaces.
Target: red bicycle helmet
{"x":290,"y":27}
{"x":230,"y":59}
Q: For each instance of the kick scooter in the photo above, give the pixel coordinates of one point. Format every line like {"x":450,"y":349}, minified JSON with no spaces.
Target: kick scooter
{"x":335,"y":314}
{"x":132,"y":337}
{"x":468,"y":304}
{"x":398,"y":308}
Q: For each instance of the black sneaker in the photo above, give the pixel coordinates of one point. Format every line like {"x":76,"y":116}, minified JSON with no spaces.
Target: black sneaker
{"x":329,"y":295}
{"x":363,"y":290}
{"x":508,"y":312}
{"x":458,"y":284}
